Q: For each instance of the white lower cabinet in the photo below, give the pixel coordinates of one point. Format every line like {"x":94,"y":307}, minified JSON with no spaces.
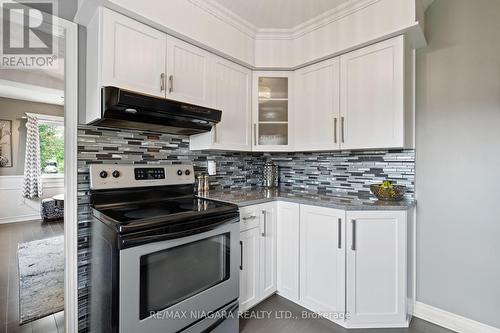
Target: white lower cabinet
{"x":258,"y":254}
{"x":288,"y":250}
{"x":249,"y":272}
{"x":377,"y":269}
{"x":322,"y":260}
{"x":352,"y":267}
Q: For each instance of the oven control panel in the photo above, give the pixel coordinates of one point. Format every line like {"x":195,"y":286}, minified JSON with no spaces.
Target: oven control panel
{"x":149,"y":173}
{"x":115,"y":176}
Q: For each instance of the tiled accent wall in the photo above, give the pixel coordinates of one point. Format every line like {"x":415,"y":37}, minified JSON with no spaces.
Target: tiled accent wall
{"x":96,"y":145}
{"x":347,"y":172}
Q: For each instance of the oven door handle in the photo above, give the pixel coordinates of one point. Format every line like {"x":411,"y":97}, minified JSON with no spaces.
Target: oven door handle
{"x":133,"y":241}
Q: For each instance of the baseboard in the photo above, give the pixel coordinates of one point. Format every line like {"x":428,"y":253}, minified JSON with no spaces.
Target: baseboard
{"x":22,"y":218}
{"x":450,"y":320}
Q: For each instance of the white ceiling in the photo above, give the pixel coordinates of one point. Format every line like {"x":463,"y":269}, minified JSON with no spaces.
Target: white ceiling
{"x":279,"y":14}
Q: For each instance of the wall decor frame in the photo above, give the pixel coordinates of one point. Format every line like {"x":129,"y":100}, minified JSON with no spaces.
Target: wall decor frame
{"x":5,"y":143}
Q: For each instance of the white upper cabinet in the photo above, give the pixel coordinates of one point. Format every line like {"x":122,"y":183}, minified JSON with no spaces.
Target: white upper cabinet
{"x":272,"y":111}
{"x":232,"y":96}
{"x":372,"y":101}
{"x":316,"y":112}
{"x":133,"y":55}
{"x":322,"y":259}
{"x":376,"y":268}
{"x":189,"y":73}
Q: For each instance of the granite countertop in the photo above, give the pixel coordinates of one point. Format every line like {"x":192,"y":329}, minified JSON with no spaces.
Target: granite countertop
{"x":248,"y":197}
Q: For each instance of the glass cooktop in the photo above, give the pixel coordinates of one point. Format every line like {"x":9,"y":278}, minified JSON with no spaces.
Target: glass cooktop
{"x":161,"y":208}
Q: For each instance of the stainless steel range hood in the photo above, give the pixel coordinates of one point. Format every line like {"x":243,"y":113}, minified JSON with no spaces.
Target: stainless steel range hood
{"x":129,"y":110}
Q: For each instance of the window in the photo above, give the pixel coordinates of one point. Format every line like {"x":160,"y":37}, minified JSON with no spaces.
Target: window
{"x":51,"y":147}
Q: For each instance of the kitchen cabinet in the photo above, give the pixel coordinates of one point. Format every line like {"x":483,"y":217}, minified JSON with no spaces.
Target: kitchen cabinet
{"x":317,"y":110}
{"x":259,"y":247}
{"x":288,"y":250}
{"x":233,"y":97}
{"x":249,"y":268}
{"x":377,"y":268}
{"x":272,"y":111}
{"x":322,"y":259}
{"x":133,"y":55}
{"x":354,"y":266}
{"x":268,"y":250}
{"x":373,"y":110}
{"x":189,"y":75}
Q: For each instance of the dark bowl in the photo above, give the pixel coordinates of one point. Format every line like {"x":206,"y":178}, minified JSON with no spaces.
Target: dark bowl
{"x":396,"y":193}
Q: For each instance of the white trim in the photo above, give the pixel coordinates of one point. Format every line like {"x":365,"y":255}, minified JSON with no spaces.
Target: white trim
{"x":225,"y":15}
{"x":332,"y":15}
{"x":70,"y":179}
{"x":32,"y":93}
{"x":45,"y":118}
{"x":450,"y":320}
{"x":21,"y":218}
{"x":222,"y":13}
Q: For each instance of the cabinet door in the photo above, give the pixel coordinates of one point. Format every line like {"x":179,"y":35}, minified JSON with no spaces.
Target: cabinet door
{"x":189,"y":77}
{"x":317,"y":107}
{"x":376,"y":267}
{"x":271,"y":115}
{"x":249,"y":268}
{"x":268,"y":248}
{"x":133,"y":55}
{"x":322,"y":259}
{"x":372,"y":96}
{"x":288,"y":250}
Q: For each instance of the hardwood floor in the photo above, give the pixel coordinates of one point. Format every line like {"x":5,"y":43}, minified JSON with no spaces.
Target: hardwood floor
{"x":10,"y":235}
{"x":275,"y":303}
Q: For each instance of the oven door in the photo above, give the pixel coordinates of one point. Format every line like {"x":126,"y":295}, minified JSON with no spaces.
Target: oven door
{"x":168,"y":285}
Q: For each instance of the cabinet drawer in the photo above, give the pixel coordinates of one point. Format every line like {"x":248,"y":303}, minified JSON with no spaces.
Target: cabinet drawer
{"x":249,"y":218}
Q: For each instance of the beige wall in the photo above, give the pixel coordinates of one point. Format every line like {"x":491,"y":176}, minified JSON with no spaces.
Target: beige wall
{"x":458,"y":160}
{"x":13,"y":109}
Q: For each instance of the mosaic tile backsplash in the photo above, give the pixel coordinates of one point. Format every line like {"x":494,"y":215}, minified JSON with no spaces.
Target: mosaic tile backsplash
{"x":346,"y":172}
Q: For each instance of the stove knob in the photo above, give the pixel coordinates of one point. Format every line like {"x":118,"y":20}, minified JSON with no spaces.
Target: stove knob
{"x":103,"y":174}
{"x":179,"y":172}
{"x":116,"y":174}
{"x":187,"y":172}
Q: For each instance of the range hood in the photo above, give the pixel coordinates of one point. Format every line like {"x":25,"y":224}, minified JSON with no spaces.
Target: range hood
{"x":129,"y":110}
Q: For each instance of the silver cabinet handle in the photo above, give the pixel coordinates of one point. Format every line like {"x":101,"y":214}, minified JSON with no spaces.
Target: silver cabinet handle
{"x":265,"y":223}
{"x":170,"y":83}
{"x":255,"y":134}
{"x":335,"y":129}
{"x":353,"y":245}
{"x":342,"y":121}
{"x":215,"y":133}
{"x":246,"y":218}
{"x":162,"y":82}
{"x":339,"y":225}
{"x":241,"y":255}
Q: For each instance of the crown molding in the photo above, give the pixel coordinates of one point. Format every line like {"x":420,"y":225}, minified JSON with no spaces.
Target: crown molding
{"x":222,"y":13}
{"x":330,"y":16}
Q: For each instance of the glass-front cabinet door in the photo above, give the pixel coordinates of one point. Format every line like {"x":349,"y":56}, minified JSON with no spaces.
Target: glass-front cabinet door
{"x":271,"y":111}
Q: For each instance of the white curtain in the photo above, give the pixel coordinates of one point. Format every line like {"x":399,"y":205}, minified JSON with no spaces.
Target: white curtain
{"x":32,"y":166}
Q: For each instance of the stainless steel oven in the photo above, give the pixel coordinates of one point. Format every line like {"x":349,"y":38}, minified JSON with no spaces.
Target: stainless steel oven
{"x":177,"y":280}
{"x":162,"y":260}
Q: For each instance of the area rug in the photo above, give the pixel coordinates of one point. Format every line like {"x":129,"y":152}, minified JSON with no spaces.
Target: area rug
{"x":41,"y":278}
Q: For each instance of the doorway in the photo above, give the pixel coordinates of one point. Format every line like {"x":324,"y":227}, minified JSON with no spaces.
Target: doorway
{"x":38,"y":219}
